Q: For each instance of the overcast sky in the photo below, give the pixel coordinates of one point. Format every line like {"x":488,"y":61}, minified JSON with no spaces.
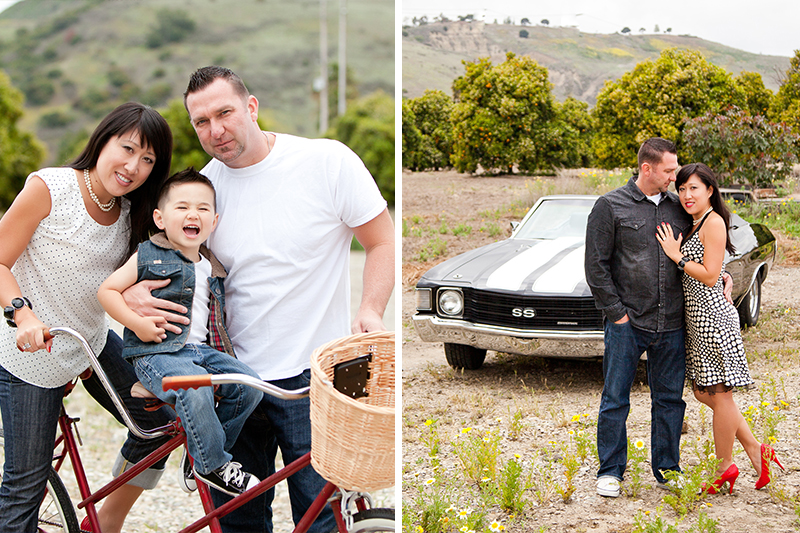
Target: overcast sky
{"x":762,"y":26}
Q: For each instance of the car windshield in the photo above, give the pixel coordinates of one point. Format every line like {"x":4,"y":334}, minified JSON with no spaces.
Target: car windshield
{"x":563,"y":217}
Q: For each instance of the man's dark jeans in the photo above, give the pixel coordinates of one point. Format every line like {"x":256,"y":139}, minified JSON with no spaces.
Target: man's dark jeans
{"x":666,"y":354}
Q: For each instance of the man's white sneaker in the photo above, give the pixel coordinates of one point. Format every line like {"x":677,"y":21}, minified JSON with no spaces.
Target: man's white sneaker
{"x":608,"y":486}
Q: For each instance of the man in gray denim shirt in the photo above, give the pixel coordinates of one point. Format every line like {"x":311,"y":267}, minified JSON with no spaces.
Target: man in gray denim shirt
{"x":639,"y":290}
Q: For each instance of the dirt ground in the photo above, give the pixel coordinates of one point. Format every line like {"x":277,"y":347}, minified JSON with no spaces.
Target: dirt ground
{"x":550,"y":391}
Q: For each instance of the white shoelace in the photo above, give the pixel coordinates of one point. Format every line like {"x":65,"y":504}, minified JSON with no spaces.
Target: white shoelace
{"x":233,"y":471}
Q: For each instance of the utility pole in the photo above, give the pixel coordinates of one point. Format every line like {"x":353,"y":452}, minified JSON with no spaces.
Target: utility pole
{"x":342,"y":107}
{"x":323,"y":66}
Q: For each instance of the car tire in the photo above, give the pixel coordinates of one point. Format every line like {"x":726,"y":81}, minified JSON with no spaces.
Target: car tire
{"x":460,"y":356}
{"x":750,"y":306}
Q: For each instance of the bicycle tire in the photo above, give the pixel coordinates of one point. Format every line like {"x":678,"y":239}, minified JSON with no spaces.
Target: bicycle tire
{"x":373,"y":521}
{"x":56,"y":512}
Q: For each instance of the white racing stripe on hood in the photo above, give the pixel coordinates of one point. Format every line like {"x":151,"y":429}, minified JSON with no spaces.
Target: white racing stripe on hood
{"x":511,"y":275}
{"x":564,"y":276}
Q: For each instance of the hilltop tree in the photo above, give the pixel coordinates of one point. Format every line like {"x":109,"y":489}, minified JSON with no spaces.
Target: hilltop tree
{"x":654,"y":99}
{"x":786,"y":105}
{"x":626,"y":30}
{"x":545,"y":22}
{"x":20,"y":153}
{"x":174,"y":25}
{"x":427,"y":131}
{"x":525,"y":21}
{"x":505,"y":117}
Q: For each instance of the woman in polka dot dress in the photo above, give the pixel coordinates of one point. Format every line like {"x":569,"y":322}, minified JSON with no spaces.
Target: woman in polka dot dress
{"x":67,"y":231}
{"x":715,"y":358}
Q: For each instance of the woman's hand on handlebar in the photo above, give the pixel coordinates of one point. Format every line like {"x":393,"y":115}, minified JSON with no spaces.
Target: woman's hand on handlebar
{"x":32,"y":334}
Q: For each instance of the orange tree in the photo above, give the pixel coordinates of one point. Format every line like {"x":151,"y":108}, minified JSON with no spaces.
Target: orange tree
{"x":427,"y":131}
{"x":654,"y":99}
{"x":505,"y":116}
{"x":786,"y":105}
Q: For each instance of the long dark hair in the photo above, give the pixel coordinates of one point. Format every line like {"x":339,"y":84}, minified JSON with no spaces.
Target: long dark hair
{"x":708,"y":178}
{"x":155,"y":134}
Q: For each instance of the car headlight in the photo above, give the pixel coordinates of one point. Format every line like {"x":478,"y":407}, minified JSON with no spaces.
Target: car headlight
{"x":451,"y":302}
{"x":424,"y":298}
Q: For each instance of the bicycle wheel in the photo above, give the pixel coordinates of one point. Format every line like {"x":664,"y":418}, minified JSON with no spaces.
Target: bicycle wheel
{"x":380,"y":519}
{"x":56,"y":514}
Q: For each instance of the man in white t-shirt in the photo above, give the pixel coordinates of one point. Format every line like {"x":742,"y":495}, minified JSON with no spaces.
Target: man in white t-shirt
{"x":289,"y":208}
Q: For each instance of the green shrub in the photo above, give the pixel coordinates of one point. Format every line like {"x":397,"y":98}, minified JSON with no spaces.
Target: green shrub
{"x":742,"y":148}
{"x":368,"y":129}
{"x":20,"y":153}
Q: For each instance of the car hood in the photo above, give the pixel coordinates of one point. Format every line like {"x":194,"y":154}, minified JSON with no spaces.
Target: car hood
{"x":544,"y":267}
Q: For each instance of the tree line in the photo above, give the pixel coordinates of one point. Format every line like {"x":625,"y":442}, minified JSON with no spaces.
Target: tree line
{"x":503,"y":118}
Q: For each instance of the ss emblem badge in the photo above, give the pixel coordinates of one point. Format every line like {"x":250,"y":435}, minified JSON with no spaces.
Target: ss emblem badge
{"x":527,"y":312}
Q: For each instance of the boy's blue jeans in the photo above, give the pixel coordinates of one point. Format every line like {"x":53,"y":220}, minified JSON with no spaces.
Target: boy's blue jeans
{"x":210,"y":432}
{"x":666,"y":371}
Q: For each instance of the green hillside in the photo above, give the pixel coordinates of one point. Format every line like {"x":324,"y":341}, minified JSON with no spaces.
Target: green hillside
{"x":74,"y":58}
{"x":578,"y":63}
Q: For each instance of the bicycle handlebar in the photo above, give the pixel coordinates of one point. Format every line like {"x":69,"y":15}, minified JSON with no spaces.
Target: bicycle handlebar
{"x":205,"y":380}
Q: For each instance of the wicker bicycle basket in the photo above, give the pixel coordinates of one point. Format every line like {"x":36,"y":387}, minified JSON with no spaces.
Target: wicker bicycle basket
{"x":352,"y":440}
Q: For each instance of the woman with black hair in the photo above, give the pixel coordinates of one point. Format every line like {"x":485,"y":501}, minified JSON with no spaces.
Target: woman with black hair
{"x":715,"y":358}
{"x":64,"y":234}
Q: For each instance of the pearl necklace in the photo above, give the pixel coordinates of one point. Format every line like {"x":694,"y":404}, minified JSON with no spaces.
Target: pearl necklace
{"x":696,"y":222}
{"x":103,"y":207}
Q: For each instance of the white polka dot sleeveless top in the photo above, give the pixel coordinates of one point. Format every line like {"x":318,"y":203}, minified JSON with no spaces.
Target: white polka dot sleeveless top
{"x":67,"y":259}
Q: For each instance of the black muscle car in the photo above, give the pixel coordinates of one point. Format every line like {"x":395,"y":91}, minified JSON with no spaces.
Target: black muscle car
{"x":527,"y":294}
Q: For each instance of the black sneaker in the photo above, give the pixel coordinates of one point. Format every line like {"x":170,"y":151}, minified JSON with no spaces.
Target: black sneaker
{"x":230,"y":479}
{"x":186,"y":480}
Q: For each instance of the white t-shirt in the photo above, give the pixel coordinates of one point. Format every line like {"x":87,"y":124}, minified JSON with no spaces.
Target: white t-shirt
{"x":199,"y":329}
{"x":284,"y":235}
{"x":66,"y":260}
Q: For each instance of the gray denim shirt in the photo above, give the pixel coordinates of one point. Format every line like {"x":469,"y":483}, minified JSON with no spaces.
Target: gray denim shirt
{"x":626,"y":269}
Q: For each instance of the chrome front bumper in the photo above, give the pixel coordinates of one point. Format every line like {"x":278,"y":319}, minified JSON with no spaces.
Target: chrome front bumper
{"x":546,"y":343}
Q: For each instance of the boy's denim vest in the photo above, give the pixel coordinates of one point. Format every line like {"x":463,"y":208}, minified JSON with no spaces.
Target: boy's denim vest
{"x":157,"y":260}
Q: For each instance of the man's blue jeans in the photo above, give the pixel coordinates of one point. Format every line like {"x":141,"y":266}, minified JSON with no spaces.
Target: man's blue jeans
{"x":666,"y":371}
{"x":285,"y":424}
{"x":210,"y":432}
{"x":30,"y":415}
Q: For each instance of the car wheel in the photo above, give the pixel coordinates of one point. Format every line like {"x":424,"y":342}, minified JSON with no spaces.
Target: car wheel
{"x":461,"y":356}
{"x":750,"y":307}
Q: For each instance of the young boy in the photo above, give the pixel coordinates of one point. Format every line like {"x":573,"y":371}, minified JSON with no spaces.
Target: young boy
{"x":186,"y":214}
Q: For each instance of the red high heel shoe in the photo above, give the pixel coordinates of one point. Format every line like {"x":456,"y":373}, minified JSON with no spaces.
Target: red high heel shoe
{"x":767,"y":455}
{"x":728,"y":476}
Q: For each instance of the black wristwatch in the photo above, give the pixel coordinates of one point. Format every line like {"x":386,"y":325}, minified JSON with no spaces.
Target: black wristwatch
{"x":682,"y":262}
{"x":10,"y":310}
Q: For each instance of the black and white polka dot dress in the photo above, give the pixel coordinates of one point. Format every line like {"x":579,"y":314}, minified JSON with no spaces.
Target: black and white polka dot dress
{"x":714,"y":349}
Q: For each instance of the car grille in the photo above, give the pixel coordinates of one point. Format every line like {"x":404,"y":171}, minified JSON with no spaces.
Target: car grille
{"x":492,"y":308}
